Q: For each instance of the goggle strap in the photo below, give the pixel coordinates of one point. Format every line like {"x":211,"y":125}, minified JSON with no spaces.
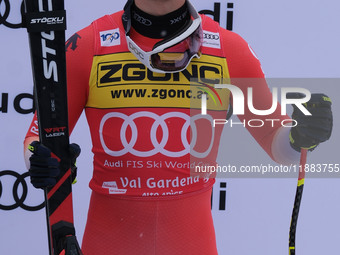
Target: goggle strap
{"x":187,"y":25}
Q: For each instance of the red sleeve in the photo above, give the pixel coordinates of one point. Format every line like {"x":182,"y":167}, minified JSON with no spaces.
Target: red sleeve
{"x":245,"y":72}
{"x":79,"y":54}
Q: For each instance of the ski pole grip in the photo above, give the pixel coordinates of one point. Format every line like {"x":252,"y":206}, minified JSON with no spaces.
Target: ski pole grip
{"x":61,"y":231}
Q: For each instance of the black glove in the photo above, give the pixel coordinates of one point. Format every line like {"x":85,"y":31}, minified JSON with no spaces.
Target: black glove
{"x":312,"y":129}
{"x":74,"y":150}
{"x":44,"y":169}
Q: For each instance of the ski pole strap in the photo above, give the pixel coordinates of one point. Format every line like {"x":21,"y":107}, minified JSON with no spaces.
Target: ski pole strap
{"x":46,"y":21}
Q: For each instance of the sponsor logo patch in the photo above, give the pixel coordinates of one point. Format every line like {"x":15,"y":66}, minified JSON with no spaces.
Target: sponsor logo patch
{"x":110,"y":38}
{"x":211,"y":40}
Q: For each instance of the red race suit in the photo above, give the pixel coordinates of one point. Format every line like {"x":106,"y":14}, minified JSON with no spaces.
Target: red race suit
{"x":148,"y":134}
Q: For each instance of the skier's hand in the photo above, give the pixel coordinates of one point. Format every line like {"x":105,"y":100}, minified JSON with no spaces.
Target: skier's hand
{"x":74,"y":150}
{"x":44,"y":169}
{"x":311,"y":130}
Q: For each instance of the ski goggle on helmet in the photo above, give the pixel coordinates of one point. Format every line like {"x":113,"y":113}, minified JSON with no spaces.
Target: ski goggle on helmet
{"x":172,"y":54}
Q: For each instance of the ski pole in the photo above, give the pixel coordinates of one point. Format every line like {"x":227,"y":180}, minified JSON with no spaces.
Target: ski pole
{"x":297,"y":202}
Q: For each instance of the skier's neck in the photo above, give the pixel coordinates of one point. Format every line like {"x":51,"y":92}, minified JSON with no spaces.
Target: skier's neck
{"x":159,"y":7}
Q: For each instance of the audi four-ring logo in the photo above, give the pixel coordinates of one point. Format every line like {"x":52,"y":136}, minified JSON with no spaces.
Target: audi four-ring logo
{"x":140,"y":19}
{"x":211,"y":36}
{"x":6,"y":18}
{"x":18,"y":190}
{"x":159,"y":122}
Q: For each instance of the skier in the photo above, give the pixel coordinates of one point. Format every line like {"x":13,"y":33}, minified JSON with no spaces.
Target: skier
{"x":133,"y":72}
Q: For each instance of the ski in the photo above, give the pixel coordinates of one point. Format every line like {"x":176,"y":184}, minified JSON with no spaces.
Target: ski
{"x":46,"y":25}
{"x":297,"y":202}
